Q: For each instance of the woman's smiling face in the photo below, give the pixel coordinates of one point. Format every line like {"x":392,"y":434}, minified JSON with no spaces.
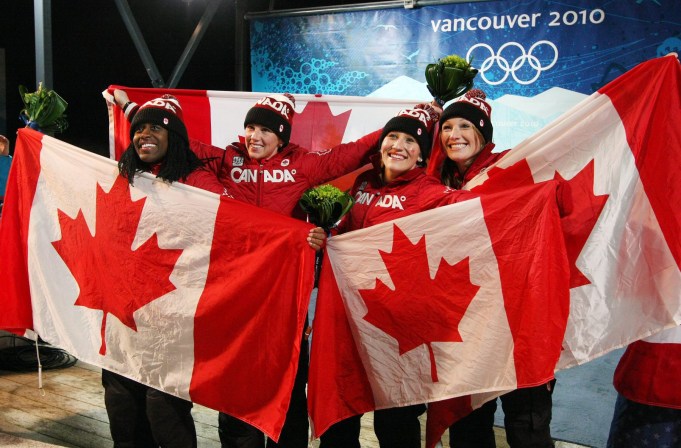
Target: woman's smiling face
{"x":151,"y":142}
{"x":461,"y":140}
{"x":399,"y":153}
{"x":261,"y":142}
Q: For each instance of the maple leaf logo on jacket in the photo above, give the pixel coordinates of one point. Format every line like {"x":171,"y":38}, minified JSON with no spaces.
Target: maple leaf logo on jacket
{"x":438,"y":307}
{"x":105,"y":270}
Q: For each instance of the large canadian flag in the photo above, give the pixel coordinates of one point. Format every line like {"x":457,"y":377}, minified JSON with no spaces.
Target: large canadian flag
{"x":217,"y":118}
{"x":616,"y":156}
{"x":169,"y":285}
{"x":619,"y":151}
{"x":471,"y":297}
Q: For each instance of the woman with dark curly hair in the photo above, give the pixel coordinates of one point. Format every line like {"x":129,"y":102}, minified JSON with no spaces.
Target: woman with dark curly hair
{"x":159,"y":144}
{"x":139,"y":415}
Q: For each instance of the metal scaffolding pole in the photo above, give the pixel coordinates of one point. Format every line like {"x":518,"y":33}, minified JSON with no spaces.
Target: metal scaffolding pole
{"x":194,"y":41}
{"x":42,"y":17}
{"x":140,"y":43}
{"x":388,"y":4}
{"x":241,"y":47}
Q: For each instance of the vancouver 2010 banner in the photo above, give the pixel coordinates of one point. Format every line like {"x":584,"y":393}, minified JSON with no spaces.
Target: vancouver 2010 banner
{"x":536,"y":59}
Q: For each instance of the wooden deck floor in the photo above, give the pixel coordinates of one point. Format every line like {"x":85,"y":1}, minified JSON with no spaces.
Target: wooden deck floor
{"x":70,"y":412}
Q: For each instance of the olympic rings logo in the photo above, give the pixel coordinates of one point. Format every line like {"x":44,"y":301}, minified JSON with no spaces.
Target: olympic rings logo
{"x":518,"y":63}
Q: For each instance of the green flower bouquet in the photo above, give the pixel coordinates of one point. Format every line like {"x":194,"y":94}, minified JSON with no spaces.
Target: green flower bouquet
{"x":43,"y":110}
{"x":325,"y":205}
{"x":450,"y":77}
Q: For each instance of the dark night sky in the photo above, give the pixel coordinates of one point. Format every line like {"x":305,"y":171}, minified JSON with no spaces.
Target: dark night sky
{"x":92,"y":50}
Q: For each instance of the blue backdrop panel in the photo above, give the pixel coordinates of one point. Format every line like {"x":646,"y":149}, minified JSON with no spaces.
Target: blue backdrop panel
{"x":521,"y":47}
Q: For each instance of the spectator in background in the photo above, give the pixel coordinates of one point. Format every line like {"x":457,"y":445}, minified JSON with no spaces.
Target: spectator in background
{"x":648,"y":406}
{"x":5,"y":162}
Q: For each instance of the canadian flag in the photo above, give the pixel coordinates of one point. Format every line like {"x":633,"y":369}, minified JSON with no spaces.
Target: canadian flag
{"x":616,"y":156}
{"x":169,"y":285}
{"x":471,"y":297}
{"x":217,"y":118}
{"x":619,"y":152}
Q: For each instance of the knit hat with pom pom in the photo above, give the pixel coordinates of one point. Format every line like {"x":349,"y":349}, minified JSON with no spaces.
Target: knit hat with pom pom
{"x":473,"y":107}
{"x":164,"y":111}
{"x":416,"y":122}
{"x":275,"y":112}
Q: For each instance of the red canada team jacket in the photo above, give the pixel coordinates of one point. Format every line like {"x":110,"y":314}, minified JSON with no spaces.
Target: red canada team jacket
{"x":412,"y":192}
{"x":278,"y":183}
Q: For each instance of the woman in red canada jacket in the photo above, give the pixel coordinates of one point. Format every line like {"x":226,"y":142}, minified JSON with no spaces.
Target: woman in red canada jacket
{"x":466,"y":139}
{"x":140,"y":415}
{"x":176,"y":158}
{"x":269,"y":171}
{"x":397,"y":186}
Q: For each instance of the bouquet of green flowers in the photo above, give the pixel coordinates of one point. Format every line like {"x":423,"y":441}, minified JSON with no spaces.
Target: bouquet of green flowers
{"x":325,"y":205}
{"x":43,"y":110}
{"x":450,"y":77}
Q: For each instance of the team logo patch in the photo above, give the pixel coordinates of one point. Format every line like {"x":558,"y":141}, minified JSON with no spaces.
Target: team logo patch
{"x":281,"y":128}
{"x":165,"y":121}
{"x":285,"y":162}
{"x":237,"y":161}
{"x":482,"y":123}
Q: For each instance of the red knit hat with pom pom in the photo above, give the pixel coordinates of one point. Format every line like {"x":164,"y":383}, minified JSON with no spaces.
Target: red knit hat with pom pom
{"x":274,"y":111}
{"x":473,"y":107}
{"x":164,"y":111}
{"x":417,"y":122}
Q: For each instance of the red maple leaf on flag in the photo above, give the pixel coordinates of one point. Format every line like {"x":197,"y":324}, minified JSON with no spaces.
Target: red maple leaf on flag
{"x":111,"y":276}
{"x":581,"y":206}
{"x":584,"y":209}
{"x":500,"y":179}
{"x":316,"y":128}
{"x":420,"y":310}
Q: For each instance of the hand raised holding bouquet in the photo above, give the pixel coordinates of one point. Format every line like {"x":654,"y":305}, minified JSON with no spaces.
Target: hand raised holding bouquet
{"x":450,"y":77}
{"x":43,"y":110}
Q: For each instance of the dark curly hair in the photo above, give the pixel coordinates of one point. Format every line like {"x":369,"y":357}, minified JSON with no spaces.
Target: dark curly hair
{"x":179,"y":162}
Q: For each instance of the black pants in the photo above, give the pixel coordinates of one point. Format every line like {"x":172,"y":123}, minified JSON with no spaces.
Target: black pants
{"x":527,"y":418}
{"x":394,"y":428}
{"x":235,"y":433}
{"x":141,"y":416}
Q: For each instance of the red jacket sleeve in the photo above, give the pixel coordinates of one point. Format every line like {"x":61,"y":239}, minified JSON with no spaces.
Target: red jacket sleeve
{"x":433,"y":194}
{"x":323,"y":166}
